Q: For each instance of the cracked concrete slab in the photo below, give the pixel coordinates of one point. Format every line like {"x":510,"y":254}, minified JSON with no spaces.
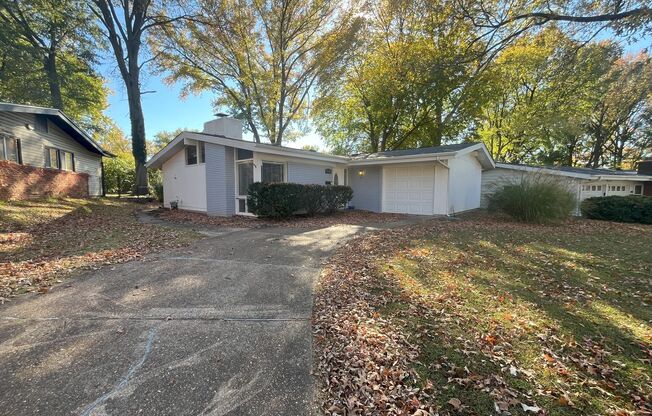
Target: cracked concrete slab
{"x":218,"y":328}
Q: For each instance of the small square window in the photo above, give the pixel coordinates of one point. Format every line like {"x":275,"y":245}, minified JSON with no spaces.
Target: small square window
{"x":272,"y":173}
{"x":41,"y":124}
{"x":638,"y":189}
{"x":244,"y":154}
{"x":328,"y":171}
{"x":593,"y":187}
{"x":191,"y":154}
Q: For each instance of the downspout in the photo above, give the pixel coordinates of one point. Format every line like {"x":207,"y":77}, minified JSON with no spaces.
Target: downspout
{"x":102,"y":173}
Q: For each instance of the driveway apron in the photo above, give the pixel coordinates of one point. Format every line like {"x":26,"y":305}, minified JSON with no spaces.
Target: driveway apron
{"x":218,"y":328}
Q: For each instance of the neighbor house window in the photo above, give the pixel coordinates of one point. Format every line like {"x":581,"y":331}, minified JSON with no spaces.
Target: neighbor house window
{"x":638,"y":189}
{"x":59,"y":159}
{"x":272,"y":172}
{"x":191,"y":154}
{"x":10,"y":149}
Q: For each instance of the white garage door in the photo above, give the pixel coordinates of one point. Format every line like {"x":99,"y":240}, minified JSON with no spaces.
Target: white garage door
{"x":409,"y":189}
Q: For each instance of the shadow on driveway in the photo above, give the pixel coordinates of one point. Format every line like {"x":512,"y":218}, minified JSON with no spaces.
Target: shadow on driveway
{"x":221,"y":327}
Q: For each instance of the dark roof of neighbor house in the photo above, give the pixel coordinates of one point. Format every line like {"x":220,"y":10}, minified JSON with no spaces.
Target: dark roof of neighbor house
{"x":418,"y":151}
{"x":64,"y":122}
{"x":577,"y":170}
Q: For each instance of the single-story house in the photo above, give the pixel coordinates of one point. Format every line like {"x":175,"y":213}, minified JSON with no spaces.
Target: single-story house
{"x":44,"y":153}
{"x":211,"y":172}
{"x":583,"y":182}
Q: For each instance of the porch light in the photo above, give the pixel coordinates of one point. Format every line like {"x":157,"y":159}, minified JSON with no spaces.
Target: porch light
{"x":361,"y":172}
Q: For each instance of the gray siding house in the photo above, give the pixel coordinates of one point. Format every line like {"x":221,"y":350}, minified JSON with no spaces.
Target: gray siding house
{"x":211,"y":172}
{"x":46,"y":138}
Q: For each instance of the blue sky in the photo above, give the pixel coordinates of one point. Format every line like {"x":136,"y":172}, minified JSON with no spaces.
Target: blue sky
{"x":165,"y":110}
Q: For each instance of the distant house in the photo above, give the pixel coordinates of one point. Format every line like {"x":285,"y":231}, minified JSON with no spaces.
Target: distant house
{"x":583,"y":182}
{"x":44,"y":153}
{"x":211,"y":172}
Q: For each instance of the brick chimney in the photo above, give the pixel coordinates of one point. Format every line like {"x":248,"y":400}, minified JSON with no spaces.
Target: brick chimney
{"x":224,"y":125}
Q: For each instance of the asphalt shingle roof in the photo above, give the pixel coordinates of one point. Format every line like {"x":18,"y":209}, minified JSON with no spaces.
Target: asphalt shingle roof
{"x":409,"y":152}
{"x":584,"y":171}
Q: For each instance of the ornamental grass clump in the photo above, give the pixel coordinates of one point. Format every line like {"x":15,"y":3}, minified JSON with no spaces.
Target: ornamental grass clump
{"x":535,"y":198}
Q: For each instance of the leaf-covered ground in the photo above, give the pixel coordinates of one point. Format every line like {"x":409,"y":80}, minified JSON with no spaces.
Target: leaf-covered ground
{"x":45,"y":241}
{"x":352,"y":217}
{"x":485,"y":316}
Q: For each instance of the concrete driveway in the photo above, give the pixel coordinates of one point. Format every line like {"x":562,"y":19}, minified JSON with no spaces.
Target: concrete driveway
{"x":220,"y":328}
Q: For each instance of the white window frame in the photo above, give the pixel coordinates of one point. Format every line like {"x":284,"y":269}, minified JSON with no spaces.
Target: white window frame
{"x":61,"y":154}
{"x":236,"y":175}
{"x":19,"y":150}
{"x":269,"y":162}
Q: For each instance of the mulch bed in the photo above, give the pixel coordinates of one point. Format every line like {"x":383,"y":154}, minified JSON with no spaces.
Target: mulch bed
{"x":351,"y":217}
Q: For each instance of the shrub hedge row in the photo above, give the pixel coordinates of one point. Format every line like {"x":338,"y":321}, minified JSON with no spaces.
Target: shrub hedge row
{"x":278,"y":200}
{"x":632,"y":208}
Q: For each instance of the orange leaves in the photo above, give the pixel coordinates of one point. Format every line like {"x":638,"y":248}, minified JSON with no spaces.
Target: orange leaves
{"x":76,"y":235}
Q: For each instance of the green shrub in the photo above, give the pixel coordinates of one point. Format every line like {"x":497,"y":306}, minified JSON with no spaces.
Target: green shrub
{"x":336,"y":197}
{"x":155,"y":183}
{"x":534,"y":199}
{"x":279,"y":200}
{"x":119,"y":175}
{"x":632,"y":208}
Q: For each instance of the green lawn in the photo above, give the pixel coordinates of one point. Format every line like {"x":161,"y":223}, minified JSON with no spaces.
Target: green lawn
{"x":511,"y":317}
{"x":563,"y":317}
{"x":44,"y":241}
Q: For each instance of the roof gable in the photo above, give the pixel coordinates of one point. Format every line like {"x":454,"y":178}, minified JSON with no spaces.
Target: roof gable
{"x":62,"y":121}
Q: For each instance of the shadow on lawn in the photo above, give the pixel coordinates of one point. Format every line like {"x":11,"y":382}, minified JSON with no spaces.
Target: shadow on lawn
{"x":585,"y":294}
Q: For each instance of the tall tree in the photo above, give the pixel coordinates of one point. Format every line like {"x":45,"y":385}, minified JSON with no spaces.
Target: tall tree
{"x":262,"y":57}
{"x":410,"y":83}
{"x":57,"y":35}
{"x":125,"y":24}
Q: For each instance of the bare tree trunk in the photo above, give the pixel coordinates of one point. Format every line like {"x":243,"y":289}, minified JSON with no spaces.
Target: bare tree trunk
{"x":54,"y":83}
{"x":138,"y":138}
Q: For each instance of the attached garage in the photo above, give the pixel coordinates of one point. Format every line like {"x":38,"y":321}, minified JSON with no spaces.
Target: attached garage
{"x":429,"y":181}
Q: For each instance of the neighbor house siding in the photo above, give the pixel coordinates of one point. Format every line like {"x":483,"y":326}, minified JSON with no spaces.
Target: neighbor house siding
{"x":367,"y":188}
{"x":33,"y":145}
{"x":220,"y":181}
{"x":309,"y":174}
{"x":495,"y":179}
{"x":183,"y":183}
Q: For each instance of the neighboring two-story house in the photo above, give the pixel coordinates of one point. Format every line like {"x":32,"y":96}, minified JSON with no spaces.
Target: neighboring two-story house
{"x":44,"y":153}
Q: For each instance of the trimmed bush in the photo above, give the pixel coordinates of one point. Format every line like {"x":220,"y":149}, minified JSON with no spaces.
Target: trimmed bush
{"x":632,"y":208}
{"x":279,"y":200}
{"x":534,"y":199}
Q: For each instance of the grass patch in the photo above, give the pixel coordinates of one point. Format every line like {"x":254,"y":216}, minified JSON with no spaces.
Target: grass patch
{"x":44,"y":241}
{"x":555,"y":317}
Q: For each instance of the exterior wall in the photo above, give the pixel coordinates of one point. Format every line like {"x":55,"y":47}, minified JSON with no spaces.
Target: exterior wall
{"x":23,"y":182}
{"x":33,"y":145}
{"x":220,"y":180}
{"x":465,"y":183}
{"x":647,"y":188}
{"x":309,"y":174}
{"x":367,"y":189}
{"x":184,"y":183}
